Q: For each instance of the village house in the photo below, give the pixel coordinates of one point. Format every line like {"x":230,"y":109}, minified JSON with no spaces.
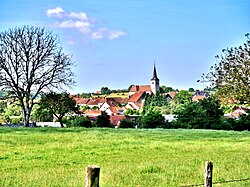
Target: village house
{"x":135,"y":102}
{"x":170,"y":96}
{"x":198,"y":95}
{"x":111,"y":108}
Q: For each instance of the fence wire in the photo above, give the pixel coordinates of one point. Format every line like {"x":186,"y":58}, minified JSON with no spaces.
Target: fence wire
{"x":219,"y":182}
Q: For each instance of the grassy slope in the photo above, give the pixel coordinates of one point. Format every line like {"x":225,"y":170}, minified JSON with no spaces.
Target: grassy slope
{"x":58,"y":157}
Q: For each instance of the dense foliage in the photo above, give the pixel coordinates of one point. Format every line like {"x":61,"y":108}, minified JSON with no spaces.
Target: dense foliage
{"x":78,"y":121}
{"x":204,"y":114}
{"x":59,"y":104}
{"x":103,"y":120}
{"x":180,"y":99}
{"x":153,"y":119}
{"x":126,"y":124}
{"x":105,"y":91}
{"x":154,"y":102}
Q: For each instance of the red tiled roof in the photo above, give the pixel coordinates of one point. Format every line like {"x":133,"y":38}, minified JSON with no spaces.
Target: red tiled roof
{"x":136,"y":88}
{"x":82,"y":101}
{"x":93,"y":112}
{"x":93,"y":102}
{"x":101,"y":99}
{"x":198,"y":97}
{"x":116,"y":119}
{"x":115,"y":110}
{"x":111,"y":103}
{"x":117,"y":99}
{"x":172,"y":94}
{"x":96,"y":101}
{"x":135,"y":97}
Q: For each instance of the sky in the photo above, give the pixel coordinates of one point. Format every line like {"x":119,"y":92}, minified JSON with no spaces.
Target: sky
{"x":115,"y":43}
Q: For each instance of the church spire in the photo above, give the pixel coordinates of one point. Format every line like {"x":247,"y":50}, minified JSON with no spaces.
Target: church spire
{"x":154,"y":74}
{"x":155,"y":82}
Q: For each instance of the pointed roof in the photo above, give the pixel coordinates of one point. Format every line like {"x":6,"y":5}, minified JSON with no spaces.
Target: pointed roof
{"x":154,"y":74}
{"x":137,"y":96}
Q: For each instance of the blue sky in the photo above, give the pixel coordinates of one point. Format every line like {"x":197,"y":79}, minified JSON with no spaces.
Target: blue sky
{"x":115,"y":43}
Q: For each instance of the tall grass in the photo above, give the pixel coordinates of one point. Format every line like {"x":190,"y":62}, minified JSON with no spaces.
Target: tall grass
{"x":136,"y":157}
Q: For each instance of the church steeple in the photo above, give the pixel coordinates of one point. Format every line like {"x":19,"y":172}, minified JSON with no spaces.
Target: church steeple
{"x":155,"y":82}
{"x":154,"y":74}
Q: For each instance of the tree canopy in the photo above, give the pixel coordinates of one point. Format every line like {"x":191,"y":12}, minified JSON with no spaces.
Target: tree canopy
{"x":59,"y":104}
{"x":31,"y":62}
{"x":204,"y":114}
{"x":230,"y":75}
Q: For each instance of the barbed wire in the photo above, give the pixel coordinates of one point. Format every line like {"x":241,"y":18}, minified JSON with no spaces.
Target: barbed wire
{"x":219,"y":182}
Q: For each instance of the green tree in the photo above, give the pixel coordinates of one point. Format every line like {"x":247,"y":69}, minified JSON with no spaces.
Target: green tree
{"x":204,"y":114}
{"x":191,"y":90}
{"x":105,"y":91}
{"x":166,"y":89}
{"x":103,"y":120}
{"x":153,"y":120}
{"x":153,"y":101}
{"x":3,"y":106}
{"x":12,"y":112}
{"x":59,"y":104}
{"x":229,"y":76}
{"x":125,"y":123}
{"x":179,"y":100}
{"x":41,"y":114}
{"x":131,"y":112}
{"x":31,"y":62}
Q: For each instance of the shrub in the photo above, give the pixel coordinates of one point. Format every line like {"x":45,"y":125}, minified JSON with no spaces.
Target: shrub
{"x":103,"y":120}
{"x":153,"y":120}
{"x":243,"y":123}
{"x":79,"y":121}
{"x":126,"y":124}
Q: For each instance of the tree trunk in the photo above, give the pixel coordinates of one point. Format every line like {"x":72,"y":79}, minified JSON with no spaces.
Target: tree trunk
{"x":26,"y":119}
{"x":61,"y":123}
{"x":26,"y":114}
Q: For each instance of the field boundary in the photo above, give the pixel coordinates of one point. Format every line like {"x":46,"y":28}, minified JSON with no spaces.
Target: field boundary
{"x":93,"y":176}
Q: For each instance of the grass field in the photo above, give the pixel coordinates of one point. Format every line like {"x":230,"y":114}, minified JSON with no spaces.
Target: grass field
{"x":136,"y":157}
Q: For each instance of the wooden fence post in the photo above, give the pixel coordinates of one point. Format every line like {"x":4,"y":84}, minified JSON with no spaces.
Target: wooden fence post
{"x":92,"y":176}
{"x":208,"y":182}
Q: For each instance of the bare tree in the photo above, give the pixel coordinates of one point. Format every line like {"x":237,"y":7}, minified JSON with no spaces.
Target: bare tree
{"x":32,"y":62}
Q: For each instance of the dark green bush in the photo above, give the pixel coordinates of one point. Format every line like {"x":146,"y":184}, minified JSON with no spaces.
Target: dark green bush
{"x":103,"y":120}
{"x":78,"y":121}
{"x":153,"y":120}
{"x":126,"y":124}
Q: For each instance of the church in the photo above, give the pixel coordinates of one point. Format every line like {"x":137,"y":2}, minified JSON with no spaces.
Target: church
{"x":137,"y":93}
{"x":153,"y":88}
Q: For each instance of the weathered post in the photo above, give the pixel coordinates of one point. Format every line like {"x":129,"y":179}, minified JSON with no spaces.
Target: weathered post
{"x":92,"y":176}
{"x":208,"y":174}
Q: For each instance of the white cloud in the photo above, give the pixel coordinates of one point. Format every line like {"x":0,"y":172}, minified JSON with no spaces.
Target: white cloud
{"x":107,"y":34}
{"x":113,"y":34}
{"x":80,"y":15}
{"x":83,"y":23}
{"x":82,"y":26}
{"x":56,"y":12}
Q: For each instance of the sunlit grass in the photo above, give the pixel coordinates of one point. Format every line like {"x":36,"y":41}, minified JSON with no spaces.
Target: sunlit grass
{"x":136,"y":157}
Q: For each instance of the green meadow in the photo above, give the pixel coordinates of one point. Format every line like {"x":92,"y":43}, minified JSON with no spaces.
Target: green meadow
{"x":136,"y":157}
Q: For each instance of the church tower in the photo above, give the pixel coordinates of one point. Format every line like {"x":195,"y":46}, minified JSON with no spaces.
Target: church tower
{"x":155,"y":82}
